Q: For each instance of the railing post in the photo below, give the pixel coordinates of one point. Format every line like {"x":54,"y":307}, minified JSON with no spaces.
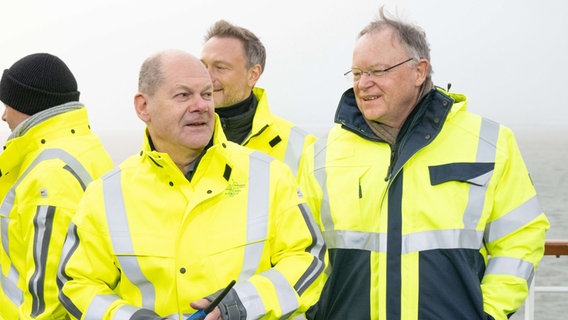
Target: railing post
{"x":529,"y":303}
{"x":551,"y":248}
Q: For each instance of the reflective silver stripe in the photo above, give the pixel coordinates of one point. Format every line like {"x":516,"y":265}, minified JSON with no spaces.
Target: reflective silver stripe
{"x":71,"y":242}
{"x":5,"y":242}
{"x":99,"y":306}
{"x":285,"y":293}
{"x":294,"y":148}
{"x":10,"y":286}
{"x":121,"y":238}
{"x":442,"y":239}
{"x":257,"y":212}
{"x":345,"y":239}
{"x":320,"y":173}
{"x":317,"y":250}
{"x":250,"y":299}
{"x":11,"y":289}
{"x":10,"y":282}
{"x":116,"y":213}
{"x":125,"y":312}
{"x":46,"y":154}
{"x":413,"y":242}
{"x":511,"y":266}
{"x":486,"y":150}
{"x":513,"y":220}
{"x":43,"y":223}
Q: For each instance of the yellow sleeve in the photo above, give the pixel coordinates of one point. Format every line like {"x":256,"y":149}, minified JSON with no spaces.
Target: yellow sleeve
{"x":516,"y":235}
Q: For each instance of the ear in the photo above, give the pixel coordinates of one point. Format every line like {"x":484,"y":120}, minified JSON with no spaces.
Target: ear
{"x":422,"y":69}
{"x":141,"y":106}
{"x":254,"y":73}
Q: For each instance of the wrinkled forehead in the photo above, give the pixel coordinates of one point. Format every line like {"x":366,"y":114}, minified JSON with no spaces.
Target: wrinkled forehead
{"x":378,"y":46}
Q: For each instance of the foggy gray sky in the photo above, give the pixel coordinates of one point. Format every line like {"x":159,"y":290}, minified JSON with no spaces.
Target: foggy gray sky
{"x":508,"y":57}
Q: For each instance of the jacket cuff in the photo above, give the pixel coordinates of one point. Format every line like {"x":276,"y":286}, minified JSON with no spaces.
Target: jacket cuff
{"x":231,"y":306}
{"x":145,"y":314}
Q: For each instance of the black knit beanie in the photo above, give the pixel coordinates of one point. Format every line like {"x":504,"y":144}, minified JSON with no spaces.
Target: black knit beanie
{"x":38,"y":82}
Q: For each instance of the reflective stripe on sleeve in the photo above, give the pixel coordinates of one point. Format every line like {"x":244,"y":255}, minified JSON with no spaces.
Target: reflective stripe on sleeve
{"x":69,"y":246}
{"x":10,"y":286}
{"x":250,"y":299}
{"x":510,"y":266}
{"x":43,"y":226}
{"x":99,"y":305}
{"x":295,"y":148}
{"x":317,"y":249}
{"x":125,"y":312}
{"x":513,"y":220}
{"x":285,"y":293}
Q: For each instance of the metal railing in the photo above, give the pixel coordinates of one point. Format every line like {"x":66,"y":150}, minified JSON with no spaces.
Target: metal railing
{"x":551,"y":248}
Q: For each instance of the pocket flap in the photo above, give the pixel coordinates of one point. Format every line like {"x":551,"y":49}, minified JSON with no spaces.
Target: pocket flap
{"x":477,"y":173}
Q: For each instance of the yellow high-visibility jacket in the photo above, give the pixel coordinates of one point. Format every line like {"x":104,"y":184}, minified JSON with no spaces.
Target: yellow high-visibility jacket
{"x":44,"y":170}
{"x":276,"y":136}
{"x":147,"y":241}
{"x":445,"y":225}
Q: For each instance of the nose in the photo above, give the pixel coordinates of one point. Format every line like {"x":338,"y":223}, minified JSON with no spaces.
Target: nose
{"x":200,"y":104}
{"x":365,"y":82}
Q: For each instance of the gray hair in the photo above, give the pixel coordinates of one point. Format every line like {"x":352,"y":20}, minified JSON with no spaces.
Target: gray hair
{"x":411,"y":37}
{"x":255,"y":53}
{"x":150,"y":76}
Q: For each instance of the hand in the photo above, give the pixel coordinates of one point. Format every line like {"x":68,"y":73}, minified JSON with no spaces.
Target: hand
{"x":201,"y":304}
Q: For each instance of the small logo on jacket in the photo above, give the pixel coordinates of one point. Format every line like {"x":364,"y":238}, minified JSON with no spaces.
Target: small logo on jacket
{"x":234,"y":188}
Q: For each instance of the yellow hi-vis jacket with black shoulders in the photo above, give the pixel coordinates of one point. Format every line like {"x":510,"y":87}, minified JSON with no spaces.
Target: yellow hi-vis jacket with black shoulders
{"x":45,"y":166}
{"x":446,"y":225}
{"x":147,"y":241}
{"x":276,"y":136}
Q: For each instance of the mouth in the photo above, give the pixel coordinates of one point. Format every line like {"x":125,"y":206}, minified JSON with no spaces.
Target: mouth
{"x":369,"y":98}
{"x":196,"y":124}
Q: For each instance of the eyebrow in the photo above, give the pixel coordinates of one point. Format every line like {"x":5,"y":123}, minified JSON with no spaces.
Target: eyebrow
{"x":371,"y":66}
{"x":192,"y":90}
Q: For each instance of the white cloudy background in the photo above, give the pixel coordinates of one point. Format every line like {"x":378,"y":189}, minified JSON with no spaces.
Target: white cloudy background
{"x":508,"y":57}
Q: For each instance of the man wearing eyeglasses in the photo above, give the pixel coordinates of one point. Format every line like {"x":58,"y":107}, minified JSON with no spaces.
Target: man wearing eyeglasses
{"x":428,"y":211}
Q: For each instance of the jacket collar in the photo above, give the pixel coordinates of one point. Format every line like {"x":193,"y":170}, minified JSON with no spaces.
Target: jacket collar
{"x":430,"y":108}
{"x":42,"y":116}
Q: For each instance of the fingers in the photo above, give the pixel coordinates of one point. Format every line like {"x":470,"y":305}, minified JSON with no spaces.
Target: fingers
{"x":214,"y":315}
{"x":199,"y":304}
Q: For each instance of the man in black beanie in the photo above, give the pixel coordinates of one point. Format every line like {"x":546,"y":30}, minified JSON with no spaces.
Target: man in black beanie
{"x":45,"y":166}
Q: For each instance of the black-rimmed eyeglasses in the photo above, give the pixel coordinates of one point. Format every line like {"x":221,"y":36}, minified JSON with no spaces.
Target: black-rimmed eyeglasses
{"x":355,"y":74}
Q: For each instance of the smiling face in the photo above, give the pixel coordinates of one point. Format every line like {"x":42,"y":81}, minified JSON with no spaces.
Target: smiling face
{"x":180,"y":113}
{"x":390,"y":97}
{"x":224,"y":58}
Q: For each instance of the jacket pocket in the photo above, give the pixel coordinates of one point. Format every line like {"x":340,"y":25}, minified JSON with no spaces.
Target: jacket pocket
{"x":477,"y":173}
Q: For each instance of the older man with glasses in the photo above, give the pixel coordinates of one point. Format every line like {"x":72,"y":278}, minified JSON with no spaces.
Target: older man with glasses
{"x":428,"y":211}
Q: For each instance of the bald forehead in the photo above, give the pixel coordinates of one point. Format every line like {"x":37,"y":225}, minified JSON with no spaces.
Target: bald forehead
{"x":172,"y":60}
